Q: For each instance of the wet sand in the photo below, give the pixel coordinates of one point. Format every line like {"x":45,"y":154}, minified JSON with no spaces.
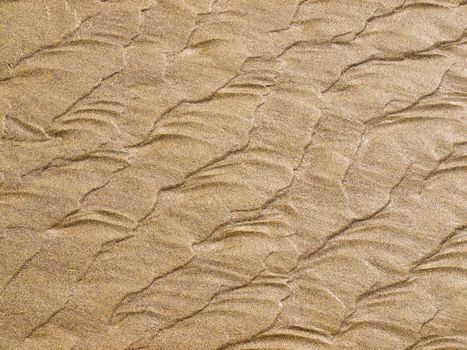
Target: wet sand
{"x":233,"y":175}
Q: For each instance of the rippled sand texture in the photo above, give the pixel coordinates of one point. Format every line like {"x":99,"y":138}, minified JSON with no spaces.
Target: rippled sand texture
{"x":233,"y":175}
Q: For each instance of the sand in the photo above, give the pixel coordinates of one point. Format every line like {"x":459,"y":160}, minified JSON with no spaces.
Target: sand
{"x":233,"y":175}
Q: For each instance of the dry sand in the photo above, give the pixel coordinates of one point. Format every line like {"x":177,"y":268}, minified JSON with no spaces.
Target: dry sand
{"x":233,"y":175}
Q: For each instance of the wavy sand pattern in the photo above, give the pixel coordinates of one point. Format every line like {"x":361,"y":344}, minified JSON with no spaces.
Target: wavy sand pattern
{"x":233,"y":175}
